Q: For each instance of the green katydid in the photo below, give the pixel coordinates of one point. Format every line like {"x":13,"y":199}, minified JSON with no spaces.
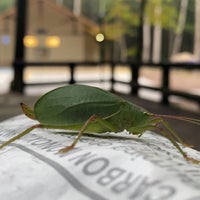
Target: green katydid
{"x":89,"y":109}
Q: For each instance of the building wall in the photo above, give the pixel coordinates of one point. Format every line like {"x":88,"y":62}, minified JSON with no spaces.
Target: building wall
{"x":76,"y":44}
{"x":6,"y":50}
{"x":75,"y":48}
{"x":92,"y":49}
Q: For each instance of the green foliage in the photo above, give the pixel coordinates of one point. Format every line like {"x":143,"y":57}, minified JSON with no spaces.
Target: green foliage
{"x":122,"y":15}
{"x":5,"y":4}
{"x":90,"y":9}
{"x":167,"y":16}
{"x":131,"y":51}
{"x":119,"y":20}
{"x":189,"y":26}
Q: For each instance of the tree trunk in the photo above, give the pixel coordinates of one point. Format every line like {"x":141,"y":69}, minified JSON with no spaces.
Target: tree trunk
{"x":197,"y":30}
{"x":146,"y":41}
{"x":77,"y":7}
{"x":180,"y":27}
{"x":157,"y":36}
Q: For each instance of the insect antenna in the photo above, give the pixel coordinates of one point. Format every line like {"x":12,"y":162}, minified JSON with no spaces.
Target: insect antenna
{"x":186,"y":119}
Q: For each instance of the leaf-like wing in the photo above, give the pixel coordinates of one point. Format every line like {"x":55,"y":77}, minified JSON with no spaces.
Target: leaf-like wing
{"x":75,"y":104}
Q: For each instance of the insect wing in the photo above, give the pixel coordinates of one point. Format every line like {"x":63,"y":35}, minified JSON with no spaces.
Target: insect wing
{"x":74,"y":104}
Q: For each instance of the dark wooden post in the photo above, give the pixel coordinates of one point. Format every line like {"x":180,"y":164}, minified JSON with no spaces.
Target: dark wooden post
{"x":135,"y":67}
{"x":72,"y":66}
{"x":134,"y":79}
{"x":18,"y":63}
{"x":112,"y":79}
{"x":165,"y":84}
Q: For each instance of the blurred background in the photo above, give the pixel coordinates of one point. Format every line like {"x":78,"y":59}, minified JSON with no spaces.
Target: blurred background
{"x":114,"y":40}
{"x":146,"y":50}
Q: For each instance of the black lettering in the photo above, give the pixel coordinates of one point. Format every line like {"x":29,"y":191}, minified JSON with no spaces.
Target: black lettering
{"x":8,"y":134}
{"x":144,"y":185}
{"x":31,"y":138}
{"x":194,"y":198}
{"x":95,"y":166}
{"x":111,"y":176}
{"x":125,"y":183}
{"x":71,"y":152}
{"x":52,"y":146}
{"x":128,"y":150}
{"x":40,"y":141}
{"x":95,"y":142}
{"x":82,"y":158}
{"x":188,"y":180}
{"x":164,"y":192}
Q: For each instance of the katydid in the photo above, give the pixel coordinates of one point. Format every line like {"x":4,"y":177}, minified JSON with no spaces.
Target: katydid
{"x":87,"y":109}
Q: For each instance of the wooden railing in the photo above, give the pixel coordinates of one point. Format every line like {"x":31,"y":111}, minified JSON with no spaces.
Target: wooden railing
{"x":18,"y":83}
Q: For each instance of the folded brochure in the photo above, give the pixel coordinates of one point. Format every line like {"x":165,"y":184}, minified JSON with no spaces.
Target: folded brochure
{"x":107,"y":166}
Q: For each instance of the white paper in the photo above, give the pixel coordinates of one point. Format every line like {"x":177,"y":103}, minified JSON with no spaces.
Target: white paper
{"x":116,"y":166}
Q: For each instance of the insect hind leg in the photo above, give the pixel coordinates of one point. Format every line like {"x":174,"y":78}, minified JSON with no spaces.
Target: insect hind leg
{"x":28,"y":130}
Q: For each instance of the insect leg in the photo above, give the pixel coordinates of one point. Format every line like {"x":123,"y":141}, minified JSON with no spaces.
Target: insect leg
{"x":158,"y":120}
{"x":28,"y":130}
{"x":106,"y":124}
{"x":101,"y":121}
{"x":68,"y":148}
{"x":173,"y":133}
{"x":173,"y":141}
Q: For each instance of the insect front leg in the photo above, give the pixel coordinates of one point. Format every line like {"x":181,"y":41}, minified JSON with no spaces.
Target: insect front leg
{"x":171,"y":136}
{"x":167,"y":126}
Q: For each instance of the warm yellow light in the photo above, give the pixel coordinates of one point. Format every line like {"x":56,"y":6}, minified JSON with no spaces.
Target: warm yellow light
{"x":52,"y":41}
{"x":30,"y":41}
{"x":99,"y":37}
